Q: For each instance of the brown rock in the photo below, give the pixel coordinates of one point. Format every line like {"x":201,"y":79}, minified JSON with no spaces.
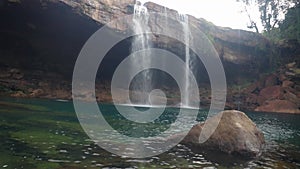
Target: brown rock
{"x":272,"y":92}
{"x":18,"y":94}
{"x":290,"y":65}
{"x":62,"y":94}
{"x":36,"y":93}
{"x":5,"y":74}
{"x":290,"y":89}
{"x":18,"y":76}
{"x":235,"y":134}
{"x":255,"y":88}
{"x":287,"y":83}
{"x":230,"y":105}
{"x":292,"y":98}
{"x":280,"y":106}
{"x":297,"y":87}
{"x":271,"y":80}
{"x":282,"y":77}
{"x":261,"y":100}
{"x":252,"y":98}
{"x":290,"y":74}
{"x":43,"y":84}
{"x":255,"y":99}
{"x":12,"y":74}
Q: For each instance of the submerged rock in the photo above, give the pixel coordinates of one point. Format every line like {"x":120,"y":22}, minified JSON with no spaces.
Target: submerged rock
{"x":236,"y":134}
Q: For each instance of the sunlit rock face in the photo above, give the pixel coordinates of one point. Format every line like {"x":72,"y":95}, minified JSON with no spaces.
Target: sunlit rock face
{"x":103,"y":11}
{"x":236,"y":134}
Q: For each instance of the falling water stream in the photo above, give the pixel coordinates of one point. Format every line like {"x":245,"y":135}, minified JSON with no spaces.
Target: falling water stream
{"x":184,"y":20}
{"x":142,"y":85}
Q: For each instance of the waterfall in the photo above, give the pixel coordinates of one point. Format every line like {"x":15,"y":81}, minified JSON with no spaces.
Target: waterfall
{"x":184,"y":20}
{"x":142,"y":85}
{"x":166,"y":16}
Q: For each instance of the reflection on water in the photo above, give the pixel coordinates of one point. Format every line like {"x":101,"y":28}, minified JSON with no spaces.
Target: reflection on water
{"x":46,"y":134}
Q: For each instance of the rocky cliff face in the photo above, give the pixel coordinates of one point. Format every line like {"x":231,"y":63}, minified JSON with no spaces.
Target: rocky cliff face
{"x":42,"y":39}
{"x":245,"y":50}
{"x":277,"y":92}
{"x":46,"y":28}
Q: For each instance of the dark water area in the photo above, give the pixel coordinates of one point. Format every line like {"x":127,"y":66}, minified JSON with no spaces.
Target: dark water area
{"x":37,"y":133}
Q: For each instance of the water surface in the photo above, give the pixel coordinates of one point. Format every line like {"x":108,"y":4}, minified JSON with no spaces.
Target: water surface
{"x":38,"y":133}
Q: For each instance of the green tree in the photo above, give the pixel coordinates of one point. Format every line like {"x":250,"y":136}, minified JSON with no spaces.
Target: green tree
{"x":271,"y":12}
{"x":290,"y":26}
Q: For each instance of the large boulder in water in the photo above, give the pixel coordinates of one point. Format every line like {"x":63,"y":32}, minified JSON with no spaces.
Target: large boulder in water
{"x":235,"y":134}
